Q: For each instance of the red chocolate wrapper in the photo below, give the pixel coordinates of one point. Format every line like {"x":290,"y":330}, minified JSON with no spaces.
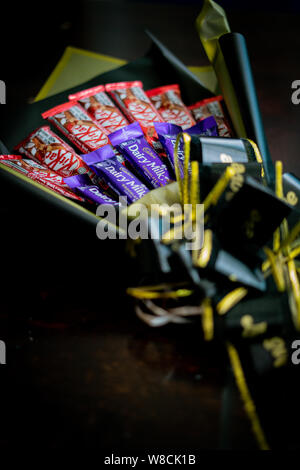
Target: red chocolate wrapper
{"x":38,"y":173}
{"x":135,"y":104}
{"x":167,"y":101}
{"x":98,"y":104}
{"x":213,"y":107}
{"x":76,"y":124}
{"x":45,"y":147}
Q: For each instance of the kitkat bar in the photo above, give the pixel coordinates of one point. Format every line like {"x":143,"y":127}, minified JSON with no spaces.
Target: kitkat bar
{"x":99,"y":105}
{"x":213,"y":107}
{"x":45,"y":147}
{"x":37,"y":172}
{"x":167,"y":101}
{"x":78,"y":126}
{"x":136,"y":106}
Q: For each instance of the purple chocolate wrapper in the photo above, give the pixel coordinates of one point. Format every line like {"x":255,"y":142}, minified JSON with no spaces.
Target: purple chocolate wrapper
{"x":98,"y":155}
{"x":167,"y":134}
{"x":207,"y":127}
{"x":131,"y":143}
{"x":82,"y":185}
{"x":119,"y":179}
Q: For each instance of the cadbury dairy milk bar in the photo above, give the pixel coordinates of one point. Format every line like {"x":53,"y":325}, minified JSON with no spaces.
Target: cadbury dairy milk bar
{"x":167,"y":134}
{"x":119,"y":180}
{"x":131,"y":143}
{"x":82,"y":184}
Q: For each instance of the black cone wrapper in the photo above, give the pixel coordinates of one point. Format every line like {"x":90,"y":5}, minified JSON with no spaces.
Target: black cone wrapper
{"x":234,"y":49}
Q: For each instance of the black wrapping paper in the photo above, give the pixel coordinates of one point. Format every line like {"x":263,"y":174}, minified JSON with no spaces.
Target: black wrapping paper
{"x":158,"y":67}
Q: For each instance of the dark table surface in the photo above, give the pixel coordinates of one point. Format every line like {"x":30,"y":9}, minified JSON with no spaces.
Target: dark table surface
{"x":81,"y":368}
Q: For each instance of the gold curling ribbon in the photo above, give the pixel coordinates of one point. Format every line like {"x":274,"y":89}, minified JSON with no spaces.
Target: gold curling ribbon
{"x":276,"y":268}
{"x":195,"y":190}
{"x":211,"y":199}
{"x":195,"y":200}
{"x":295,"y":287}
{"x":186,"y":197}
{"x":294,"y":253}
{"x":246,"y":397}
{"x":285,"y":248}
{"x":291,"y":256}
{"x":231,"y":299}
{"x":207,"y":320}
{"x":279,"y":193}
{"x":217,"y":191}
{"x":278,"y":181}
{"x":187,"y":155}
{"x":290,"y":237}
{"x":161,"y":291}
{"x":258,"y":157}
{"x":183,"y":183}
{"x":276,"y":260}
{"x":277,"y":248}
{"x":206,"y":250}
{"x":171,"y":234}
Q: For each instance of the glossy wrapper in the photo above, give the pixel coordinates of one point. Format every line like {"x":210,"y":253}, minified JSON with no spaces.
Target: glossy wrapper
{"x":82,"y":185}
{"x":167,"y":101}
{"x":167,"y":134}
{"x":136,"y":106}
{"x":211,"y":150}
{"x":98,"y":104}
{"x":45,"y":147}
{"x":252,"y":168}
{"x":78,"y":126}
{"x":107,"y":151}
{"x":130,"y":141}
{"x":39,"y":173}
{"x":114,"y":177}
{"x":213,"y":107}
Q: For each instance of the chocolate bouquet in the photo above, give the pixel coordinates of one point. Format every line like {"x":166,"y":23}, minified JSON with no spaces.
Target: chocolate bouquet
{"x":219,"y":242}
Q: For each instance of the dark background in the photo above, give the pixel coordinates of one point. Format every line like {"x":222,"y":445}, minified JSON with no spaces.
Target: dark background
{"x":81,"y":369}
